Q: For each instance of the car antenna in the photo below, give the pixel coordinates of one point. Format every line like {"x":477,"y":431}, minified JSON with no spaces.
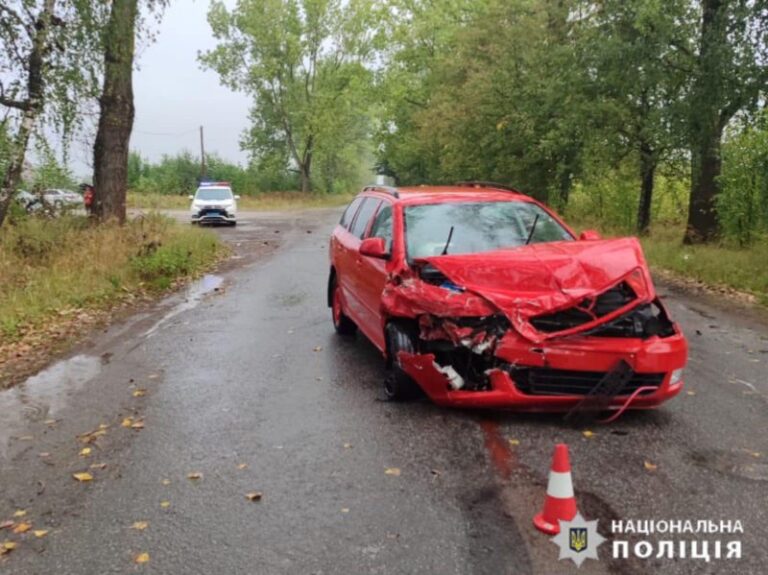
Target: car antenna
{"x":533,"y":229}
{"x":447,"y":242}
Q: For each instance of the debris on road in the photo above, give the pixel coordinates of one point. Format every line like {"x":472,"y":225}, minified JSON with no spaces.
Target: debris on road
{"x":254,"y":496}
{"x":83,"y":476}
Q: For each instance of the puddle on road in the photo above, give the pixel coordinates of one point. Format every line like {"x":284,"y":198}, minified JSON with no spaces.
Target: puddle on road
{"x":737,"y":463}
{"x":195,"y":293}
{"x":43,"y":395}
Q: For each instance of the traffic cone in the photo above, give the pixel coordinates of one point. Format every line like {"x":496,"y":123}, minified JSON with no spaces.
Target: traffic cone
{"x":560,"y":502}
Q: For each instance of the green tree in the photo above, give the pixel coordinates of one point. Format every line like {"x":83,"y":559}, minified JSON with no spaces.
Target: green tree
{"x":304,"y":63}
{"x":48,"y":66}
{"x":634,"y":57}
{"x":729,"y":78}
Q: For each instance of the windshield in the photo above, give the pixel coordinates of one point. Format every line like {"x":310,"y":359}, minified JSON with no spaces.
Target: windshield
{"x":213,"y":194}
{"x":477,"y":227}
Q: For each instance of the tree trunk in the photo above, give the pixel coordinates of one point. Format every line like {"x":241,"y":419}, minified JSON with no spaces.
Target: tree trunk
{"x":110,"y":152}
{"x":707,"y":125}
{"x":702,"y":213}
{"x":32,"y":107}
{"x":647,"y":173}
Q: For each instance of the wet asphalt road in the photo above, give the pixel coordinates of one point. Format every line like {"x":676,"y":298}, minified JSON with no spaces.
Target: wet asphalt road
{"x":249,"y":386}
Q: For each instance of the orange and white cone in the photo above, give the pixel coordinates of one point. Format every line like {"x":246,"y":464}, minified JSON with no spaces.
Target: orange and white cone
{"x":560,"y":503}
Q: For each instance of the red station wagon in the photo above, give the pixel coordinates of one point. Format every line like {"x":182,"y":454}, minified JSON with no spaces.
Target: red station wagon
{"x":480,"y":296}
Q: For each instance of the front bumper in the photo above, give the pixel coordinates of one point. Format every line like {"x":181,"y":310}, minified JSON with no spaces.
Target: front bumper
{"x":651,"y":358}
{"x":213,"y":217}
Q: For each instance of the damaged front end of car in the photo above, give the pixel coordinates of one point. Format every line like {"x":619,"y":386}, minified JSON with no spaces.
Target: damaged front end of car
{"x":541,"y":328}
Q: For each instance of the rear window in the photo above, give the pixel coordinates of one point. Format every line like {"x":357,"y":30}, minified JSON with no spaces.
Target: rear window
{"x":349,"y":213}
{"x":369,"y":207}
{"x":469,"y":227}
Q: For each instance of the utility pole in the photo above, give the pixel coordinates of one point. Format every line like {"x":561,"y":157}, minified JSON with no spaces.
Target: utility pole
{"x":202,"y":156}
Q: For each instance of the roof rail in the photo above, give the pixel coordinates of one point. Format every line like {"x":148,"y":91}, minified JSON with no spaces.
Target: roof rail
{"x":385,"y":189}
{"x":481,"y":184}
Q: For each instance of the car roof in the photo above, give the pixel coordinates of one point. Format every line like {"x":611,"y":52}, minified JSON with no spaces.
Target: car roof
{"x":457,"y":193}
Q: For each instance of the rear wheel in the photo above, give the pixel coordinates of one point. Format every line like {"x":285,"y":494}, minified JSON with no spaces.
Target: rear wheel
{"x":398,"y":385}
{"x":341,"y":323}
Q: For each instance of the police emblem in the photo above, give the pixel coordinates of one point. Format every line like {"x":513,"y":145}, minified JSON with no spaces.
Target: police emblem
{"x":578,"y":540}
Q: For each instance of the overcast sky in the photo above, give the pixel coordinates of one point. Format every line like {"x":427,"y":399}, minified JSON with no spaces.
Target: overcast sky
{"x":174,"y":96}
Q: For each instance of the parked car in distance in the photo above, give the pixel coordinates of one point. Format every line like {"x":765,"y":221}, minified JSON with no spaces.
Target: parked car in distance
{"x":63,"y":199}
{"x":480,"y":296}
{"x":214,"y":203}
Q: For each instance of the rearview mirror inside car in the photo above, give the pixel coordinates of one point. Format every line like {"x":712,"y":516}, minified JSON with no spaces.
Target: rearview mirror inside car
{"x":589,"y":235}
{"x":374,"y":248}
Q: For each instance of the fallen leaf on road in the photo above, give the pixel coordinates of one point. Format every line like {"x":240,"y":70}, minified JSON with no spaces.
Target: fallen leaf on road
{"x":20,"y":513}
{"x":650,"y":466}
{"x":98,"y":466}
{"x":318,"y":348}
{"x":345,"y":509}
{"x":195,"y":475}
{"x":253,"y":496}
{"x":85,"y":452}
{"x":165,"y":504}
{"x":166,"y":482}
{"x":514,"y":442}
{"x":103,"y":426}
{"x":26,"y":438}
{"x":84,"y":476}
{"x":691,"y":392}
{"x":22,"y":528}
{"x":242,"y":465}
{"x":140,"y":393}
{"x":50,"y":422}
{"x":588,"y":434}
{"x":137,"y":425}
{"x":92,"y":436}
{"x":40,"y":533}
{"x":6,"y":547}
{"x":127,"y":422}
{"x":140,"y":525}
{"x":141,"y":558}
{"x":7,"y":524}
{"x":347,"y":446}
{"x":44,"y":454}
{"x":153,"y":376}
{"x":392,"y":471}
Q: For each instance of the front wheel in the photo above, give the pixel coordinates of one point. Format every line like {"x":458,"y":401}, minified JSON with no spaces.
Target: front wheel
{"x":341,"y":323}
{"x":398,"y":385}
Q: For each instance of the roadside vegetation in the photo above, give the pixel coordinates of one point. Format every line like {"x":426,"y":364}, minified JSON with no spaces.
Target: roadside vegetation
{"x":55,"y":267}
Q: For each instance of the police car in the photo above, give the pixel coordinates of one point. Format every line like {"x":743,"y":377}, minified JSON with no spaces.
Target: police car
{"x":214,"y":203}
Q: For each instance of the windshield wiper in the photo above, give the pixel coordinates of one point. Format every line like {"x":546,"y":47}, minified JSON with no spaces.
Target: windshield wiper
{"x":447,"y":242}
{"x":533,"y":229}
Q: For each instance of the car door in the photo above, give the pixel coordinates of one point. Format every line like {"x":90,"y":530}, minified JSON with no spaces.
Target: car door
{"x":353,"y":296}
{"x":343,"y":249}
{"x":372,"y":276}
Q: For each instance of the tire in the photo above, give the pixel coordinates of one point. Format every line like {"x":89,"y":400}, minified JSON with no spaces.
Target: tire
{"x":341,"y":323}
{"x":398,"y":385}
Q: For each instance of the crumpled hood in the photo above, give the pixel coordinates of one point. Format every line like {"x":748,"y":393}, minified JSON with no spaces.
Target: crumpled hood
{"x":547,"y":277}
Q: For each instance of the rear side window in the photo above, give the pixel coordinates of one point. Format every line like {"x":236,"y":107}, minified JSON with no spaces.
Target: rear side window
{"x":349,"y":213}
{"x":382,"y":225}
{"x":367,"y":210}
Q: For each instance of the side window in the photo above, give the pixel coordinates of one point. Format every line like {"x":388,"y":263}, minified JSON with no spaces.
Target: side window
{"x":364,"y":216}
{"x":382,"y":225}
{"x":349,"y":213}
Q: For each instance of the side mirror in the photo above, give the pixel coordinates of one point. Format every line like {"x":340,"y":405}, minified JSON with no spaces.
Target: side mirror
{"x":588,"y":235}
{"x":237,"y":197}
{"x":374,"y":248}
{"x":191,"y":197}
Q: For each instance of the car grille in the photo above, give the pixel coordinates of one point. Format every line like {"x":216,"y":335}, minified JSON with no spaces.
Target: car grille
{"x":212,"y":212}
{"x":547,"y":381}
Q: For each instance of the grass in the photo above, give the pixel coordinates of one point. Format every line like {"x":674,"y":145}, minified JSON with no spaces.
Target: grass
{"x":273,"y":201}
{"x":51,"y":266}
{"x":743,"y":269}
